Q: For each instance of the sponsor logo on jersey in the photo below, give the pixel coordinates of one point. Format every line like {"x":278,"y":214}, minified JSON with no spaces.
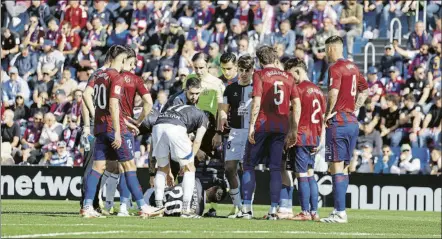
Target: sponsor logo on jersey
{"x":117,"y":90}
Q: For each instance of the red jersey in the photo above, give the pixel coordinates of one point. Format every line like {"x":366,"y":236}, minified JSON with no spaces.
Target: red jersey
{"x":76,"y":16}
{"x":108,"y":84}
{"x":345,"y":76}
{"x":312,"y":114}
{"x":277,"y":88}
{"x":133,"y":84}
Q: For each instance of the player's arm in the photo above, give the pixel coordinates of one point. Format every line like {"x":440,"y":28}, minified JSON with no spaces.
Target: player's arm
{"x":198,"y":139}
{"x":220,"y":99}
{"x":294,"y":117}
{"x":333,"y":92}
{"x":223,"y":110}
{"x":256,"y":102}
{"x":362,"y":92}
{"x":147,"y":101}
{"x":114,"y":109}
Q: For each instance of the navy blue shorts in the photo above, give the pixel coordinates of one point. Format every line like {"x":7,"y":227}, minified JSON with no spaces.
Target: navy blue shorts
{"x":268,"y":150}
{"x":300,"y":159}
{"x":340,"y":141}
{"x":104,"y":150}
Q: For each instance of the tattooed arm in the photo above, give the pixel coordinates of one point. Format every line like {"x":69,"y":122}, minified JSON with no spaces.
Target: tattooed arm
{"x":256,"y":106}
{"x":362,"y":96}
{"x":331,"y":102}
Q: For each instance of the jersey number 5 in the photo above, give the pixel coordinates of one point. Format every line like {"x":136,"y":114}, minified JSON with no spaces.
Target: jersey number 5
{"x":278,"y":91}
{"x":317,"y":107}
{"x":100,"y":96}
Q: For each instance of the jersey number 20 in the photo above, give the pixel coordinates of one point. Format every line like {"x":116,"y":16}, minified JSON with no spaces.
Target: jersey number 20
{"x":100,"y":96}
{"x":278,"y":91}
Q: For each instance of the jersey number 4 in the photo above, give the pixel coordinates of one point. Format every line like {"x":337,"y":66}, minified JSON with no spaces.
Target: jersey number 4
{"x":279,"y":93}
{"x":100,"y":96}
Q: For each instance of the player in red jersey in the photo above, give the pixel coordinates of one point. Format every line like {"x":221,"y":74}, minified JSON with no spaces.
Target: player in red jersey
{"x":112,"y":137}
{"x":273,"y":90}
{"x":309,"y":128}
{"x":348,"y":90}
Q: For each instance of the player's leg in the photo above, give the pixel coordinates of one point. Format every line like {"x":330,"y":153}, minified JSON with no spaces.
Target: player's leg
{"x":124,"y":194}
{"x":188,"y":186}
{"x":275,"y":161}
{"x":302,"y":159}
{"x":112,"y":172}
{"x":314,"y":192}
{"x":285,"y":210}
{"x":161,"y":151}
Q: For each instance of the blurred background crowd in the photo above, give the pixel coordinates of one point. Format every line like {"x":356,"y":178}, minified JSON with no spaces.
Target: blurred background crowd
{"x":50,"y":48}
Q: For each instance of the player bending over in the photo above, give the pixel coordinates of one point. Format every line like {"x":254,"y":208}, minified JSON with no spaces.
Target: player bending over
{"x":113,"y":140}
{"x":235,"y":114}
{"x":273,"y":90}
{"x":309,"y":126}
{"x":170,"y":135}
{"x":342,"y":129}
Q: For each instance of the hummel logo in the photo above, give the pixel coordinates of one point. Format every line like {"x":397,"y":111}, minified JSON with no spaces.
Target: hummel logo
{"x":235,"y":94}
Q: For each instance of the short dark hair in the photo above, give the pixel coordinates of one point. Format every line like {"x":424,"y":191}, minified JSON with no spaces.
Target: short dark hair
{"x":193,"y":82}
{"x":334,"y":39}
{"x":418,"y":67}
{"x":393,"y":98}
{"x":114,"y":51}
{"x":216,"y":194}
{"x":410,"y":97}
{"x":130,"y":52}
{"x":266,"y":55}
{"x":294,"y":62}
{"x":228,"y":57}
{"x":200,"y":55}
{"x":246,"y":62}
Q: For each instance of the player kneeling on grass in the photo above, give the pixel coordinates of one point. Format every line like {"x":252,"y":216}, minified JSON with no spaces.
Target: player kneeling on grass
{"x":173,"y":197}
{"x":309,"y":127}
{"x":170,"y":136}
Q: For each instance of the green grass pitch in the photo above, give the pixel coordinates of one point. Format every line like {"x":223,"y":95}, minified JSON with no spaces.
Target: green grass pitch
{"x":50,"y":219}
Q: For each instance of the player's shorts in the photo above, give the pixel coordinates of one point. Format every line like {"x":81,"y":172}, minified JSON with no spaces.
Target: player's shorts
{"x":268,"y":150}
{"x":174,"y":140}
{"x":236,"y":144}
{"x":340,"y":141}
{"x":104,"y":150}
{"x":300,"y":159}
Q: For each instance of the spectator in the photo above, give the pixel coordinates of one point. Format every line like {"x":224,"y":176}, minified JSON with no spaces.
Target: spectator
{"x":228,"y":68}
{"x":245,"y":15}
{"x":421,"y":59}
{"x":410,"y":118}
{"x":436,"y":162}
{"x":419,"y":86}
{"x":133,"y":39}
{"x":51,"y":133}
{"x":165,"y":81}
{"x":186,"y":56}
{"x":205,"y":13}
{"x":71,"y":136}
{"x":159,"y":16}
{"x":52,"y":60}
{"x":46,"y":84}
{"x":267,"y":18}
{"x":85,"y":58}
{"x":406,"y":164}
{"x":431,"y":127}
{"x":285,"y":12}
{"x":389,"y":59}
{"x":102,"y":12}
{"x":233,"y":36}
{"x":53,"y":32}
{"x":21,"y":111}
{"x":437,"y":33}
{"x":14,"y":86}
{"x":29,"y":142}
{"x":74,"y":113}
{"x":179,"y":80}
{"x":66,"y":83}
{"x":187,"y":20}
{"x":300,"y":53}
{"x":40,"y":104}
{"x":34,"y":35}
{"x":171,"y":58}
{"x":369,"y":117}
{"x":149,"y":37}
{"x":375,"y":87}
{"x":61,"y":106}
{"x":97,"y":38}
{"x":394,"y":84}
{"x":152,"y":64}
{"x":322,"y":11}
{"x":372,"y":17}
{"x":117,"y":35}
{"x":219,"y":34}
{"x":140,"y":13}
{"x":69,"y":42}
{"x":41,"y":10}
{"x":161,"y":101}
{"x":257,"y":37}
{"x":362,"y":161}
{"x":125,"y":10}
{"x":243,"y":46}
{"x":223,"y":11}
{"x":280,"y":51}
{"x":199,"y":36}
{"x":175,"y":36}
{"x":60,"y":158}
{"x":418,"y":37}
{"x":26,"y":64}
{"x":285,"y":36}
{"x":214,"y":54}
{"x":390,"y":117}
{"x":351,"y":19}
{"x":76,"y":15}
{"x":10,"y":46}
{"x":11,"y":132}
{"x":383,"y":166}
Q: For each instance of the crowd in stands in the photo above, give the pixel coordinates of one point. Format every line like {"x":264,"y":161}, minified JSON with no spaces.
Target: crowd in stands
{"x":50,"y":48}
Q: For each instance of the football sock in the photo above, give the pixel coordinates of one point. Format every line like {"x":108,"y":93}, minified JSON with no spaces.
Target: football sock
{"x":284,"y":195}
{"x":275,"y":186}
{"x":91,"y":187}
{"x":111,"y":188}
{"x":340,"y":182}
{"x":104,"y":178}
{"x":160,"y":185}
{"x":304,"y":193}
{"x":135,"y":188}
{"x":273,"y":208}
{"x":235,"y":194}
{"x":248,"y":185}
{"x":290,"y":202}
{"x":124,"y":190}
{"x":314,"y":194}
{"x":188,"y":186}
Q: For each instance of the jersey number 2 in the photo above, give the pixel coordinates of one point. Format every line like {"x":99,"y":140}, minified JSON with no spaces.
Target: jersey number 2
{"x":317,"y":107}
{"x":100,"y":96}
{"x":278,"y":91}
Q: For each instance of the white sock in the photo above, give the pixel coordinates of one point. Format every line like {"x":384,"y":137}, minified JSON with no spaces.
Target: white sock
{"x":160,"y":185}
{"x":273,"y":210}
{"x":123,"y":207}
{"x":111,"y":188}
{"x":188,"y":186}
{"x":235,"y":194}
{"x":104,"y":178}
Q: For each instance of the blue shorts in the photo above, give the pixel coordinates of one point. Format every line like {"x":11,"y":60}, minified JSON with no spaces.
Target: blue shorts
{"x":300,"y":159}
{"x":340,"y":141}
{"x":104,"y":150}
{"x":268,"y":150}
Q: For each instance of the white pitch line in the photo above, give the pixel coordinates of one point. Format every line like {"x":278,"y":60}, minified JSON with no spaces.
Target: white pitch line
{"x":62,"y":234}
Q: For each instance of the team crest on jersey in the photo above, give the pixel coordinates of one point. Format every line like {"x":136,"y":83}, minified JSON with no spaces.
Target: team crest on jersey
{"x":350,"y":66}
{"x":126,"y":79}
{"x":117,"y":90}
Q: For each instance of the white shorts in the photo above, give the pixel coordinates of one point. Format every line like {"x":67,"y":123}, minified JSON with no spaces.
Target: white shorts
{"x":173,"y":139}
{"x":236,"y":144}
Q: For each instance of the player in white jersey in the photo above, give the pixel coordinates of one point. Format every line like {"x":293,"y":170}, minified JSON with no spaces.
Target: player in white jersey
{"x":235,"y":113}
